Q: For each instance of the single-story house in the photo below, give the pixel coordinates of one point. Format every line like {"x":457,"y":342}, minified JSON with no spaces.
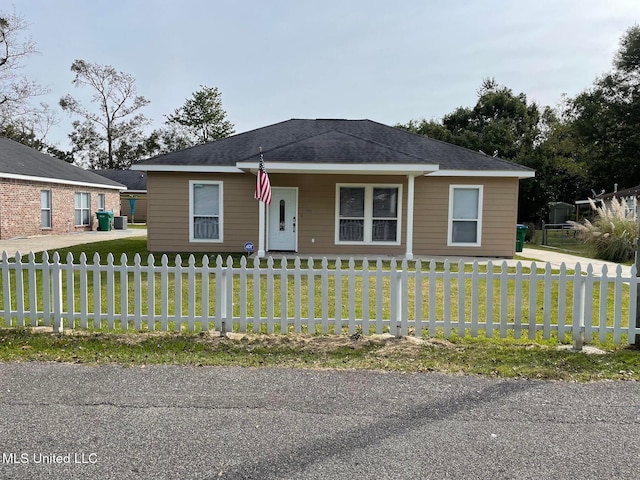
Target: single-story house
{"x":43,"y":195}
{"x":339,"y":187}
{"x":135,"y":195}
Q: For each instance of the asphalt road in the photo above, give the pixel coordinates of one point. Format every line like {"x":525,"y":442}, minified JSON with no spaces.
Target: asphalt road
{"x":72,"y":421}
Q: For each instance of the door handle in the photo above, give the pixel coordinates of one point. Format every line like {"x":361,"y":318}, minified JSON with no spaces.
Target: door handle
{"x":294,"y":224}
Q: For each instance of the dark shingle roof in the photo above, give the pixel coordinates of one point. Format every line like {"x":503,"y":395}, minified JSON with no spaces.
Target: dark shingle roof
{"x":18,"y":159}
{"x":133,"y":180}
{"x":334,"y":141}
{"x":627,"y":192}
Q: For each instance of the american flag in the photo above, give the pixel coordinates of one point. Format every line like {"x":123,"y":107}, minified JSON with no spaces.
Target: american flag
{"x":263,"y":186}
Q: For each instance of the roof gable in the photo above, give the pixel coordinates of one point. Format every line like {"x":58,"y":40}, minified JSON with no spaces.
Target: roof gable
{"x":19,"y":161}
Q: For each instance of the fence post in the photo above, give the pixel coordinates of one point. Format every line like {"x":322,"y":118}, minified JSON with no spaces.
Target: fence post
{"x":579,"y":285}
{"x":395,"y":307}
{"x":637,"y":339}
{"x":6,"y":286}
{"x":223,"y":301}
{"x":56,"y":284}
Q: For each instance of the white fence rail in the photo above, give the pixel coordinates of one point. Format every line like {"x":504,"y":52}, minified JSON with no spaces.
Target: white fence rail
{"x":310,"y":296}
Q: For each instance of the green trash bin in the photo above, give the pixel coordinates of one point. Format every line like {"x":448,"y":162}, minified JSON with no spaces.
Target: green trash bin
{"x":104,"y":221}
{"x":521,"y":233}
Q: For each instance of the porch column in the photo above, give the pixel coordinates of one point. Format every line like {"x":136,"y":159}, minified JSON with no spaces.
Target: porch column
{"x":261,"y":229}
{"x":410,"y":199}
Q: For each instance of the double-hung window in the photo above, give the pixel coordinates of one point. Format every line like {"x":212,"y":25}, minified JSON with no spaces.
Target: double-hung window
{"x":82,"y":203}
{"x":205,"y":211}
{"x":465,"y":215}
{"x":45,"y":208}
{"x":101,"y":202}
{"x":368,"y":214}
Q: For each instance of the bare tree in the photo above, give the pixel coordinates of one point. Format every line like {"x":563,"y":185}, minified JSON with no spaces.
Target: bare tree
{"x":15,"y":88}
{"x":114,"y":122}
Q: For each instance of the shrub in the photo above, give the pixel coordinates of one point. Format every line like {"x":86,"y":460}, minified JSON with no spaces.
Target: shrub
{"x":612,"y":234}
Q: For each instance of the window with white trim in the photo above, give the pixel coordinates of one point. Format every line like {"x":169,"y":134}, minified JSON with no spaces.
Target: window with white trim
{"x":465,"y":215}
{"x":45,"y":208}
{"x":82,"y":203}
{"x":101,"y":202}
{"x":368,"y":213}
{"x":205,"y":211}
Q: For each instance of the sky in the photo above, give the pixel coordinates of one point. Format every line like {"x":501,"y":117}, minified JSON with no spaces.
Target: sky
{"x":273,"y":60}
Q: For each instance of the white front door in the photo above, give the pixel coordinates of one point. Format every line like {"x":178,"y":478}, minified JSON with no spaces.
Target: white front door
{"x":282,"y":219}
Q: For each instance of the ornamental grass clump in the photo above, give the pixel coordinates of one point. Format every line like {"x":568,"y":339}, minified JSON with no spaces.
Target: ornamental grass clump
{"x":612,"y":234}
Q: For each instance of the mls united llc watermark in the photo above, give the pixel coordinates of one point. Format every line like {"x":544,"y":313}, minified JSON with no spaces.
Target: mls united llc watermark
{"x":77,"y":458}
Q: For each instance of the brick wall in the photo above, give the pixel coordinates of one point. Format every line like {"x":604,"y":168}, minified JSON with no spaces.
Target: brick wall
{"x":20,"y":214}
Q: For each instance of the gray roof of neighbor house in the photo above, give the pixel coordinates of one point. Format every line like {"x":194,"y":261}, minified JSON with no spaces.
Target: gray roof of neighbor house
{"x":336,"y":142}
{"x":132,"y":179}
{"x":627,"y":192}
{"x":22,"y":162}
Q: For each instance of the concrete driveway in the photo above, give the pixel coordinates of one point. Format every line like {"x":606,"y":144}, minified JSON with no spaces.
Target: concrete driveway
{"x":570,"y":261}
{"x":40,"y":243}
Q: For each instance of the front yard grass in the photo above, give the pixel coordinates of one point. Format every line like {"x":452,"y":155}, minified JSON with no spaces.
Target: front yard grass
{"x":505,"y":358}
{"x":517,"y":358}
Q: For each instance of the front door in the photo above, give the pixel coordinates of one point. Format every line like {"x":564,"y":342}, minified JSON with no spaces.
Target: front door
{"x":281,"y":219}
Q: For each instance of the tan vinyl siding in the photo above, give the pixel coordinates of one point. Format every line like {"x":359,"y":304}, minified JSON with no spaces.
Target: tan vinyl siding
{"x":500,"y":208}
{"x":316,"y":212}
{"x":140,"y":207}
{"x":168,"y":213}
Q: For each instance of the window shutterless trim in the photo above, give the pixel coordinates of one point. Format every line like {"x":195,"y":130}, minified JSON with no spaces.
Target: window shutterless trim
{"x":368,"y":214}
{"x":47,"y":209}
{"x":478,"y":242}
{"x":82,"y":209}
{"x":220,"y":238}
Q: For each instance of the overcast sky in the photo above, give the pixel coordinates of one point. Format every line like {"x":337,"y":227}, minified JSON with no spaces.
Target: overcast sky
{"x":274,"y":60}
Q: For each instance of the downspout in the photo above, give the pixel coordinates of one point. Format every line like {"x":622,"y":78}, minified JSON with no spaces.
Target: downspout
{"x":410,"y":202}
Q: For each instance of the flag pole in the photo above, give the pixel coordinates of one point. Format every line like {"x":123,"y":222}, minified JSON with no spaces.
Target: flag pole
{"x":261,"y":224}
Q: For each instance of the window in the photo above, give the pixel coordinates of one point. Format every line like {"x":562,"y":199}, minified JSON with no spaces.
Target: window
{"x":82,"y":203}
{"x":101,"y":202}
{"x":205,"y":211}
{"x":45,"y":208}
{"x":368,"y":214}
{"x":465,"y":215}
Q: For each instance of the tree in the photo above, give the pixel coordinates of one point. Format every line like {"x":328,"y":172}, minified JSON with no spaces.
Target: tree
{"x":606,"y":117}
{"x":165,"y":140}
{"x":17,"y":114}
{"x":201,"y":119}
{"x":105,"y":137}
{"x":428,"y":128}
{"x":501,"y":124}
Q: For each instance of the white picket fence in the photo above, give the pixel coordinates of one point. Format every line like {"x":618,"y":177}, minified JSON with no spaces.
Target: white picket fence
{"x":310,"y":296}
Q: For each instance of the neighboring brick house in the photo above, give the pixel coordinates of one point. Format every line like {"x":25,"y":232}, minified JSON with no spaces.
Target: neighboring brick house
{"x":136,"y":183}
{"x":43,"y":195}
